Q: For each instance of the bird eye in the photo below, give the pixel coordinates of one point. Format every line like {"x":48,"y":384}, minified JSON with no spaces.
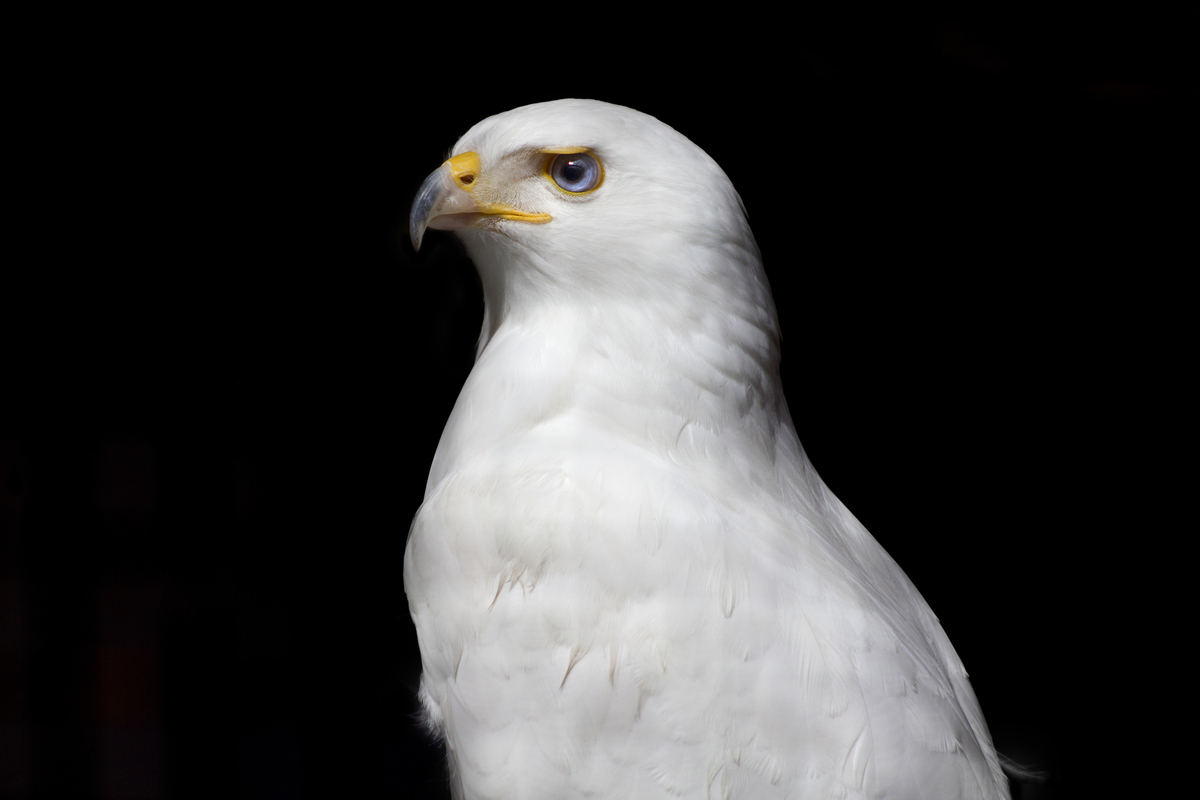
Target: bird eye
{"x":576,"y":172}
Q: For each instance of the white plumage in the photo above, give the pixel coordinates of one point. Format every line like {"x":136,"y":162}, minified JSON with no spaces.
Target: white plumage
{"x":626,"y":578}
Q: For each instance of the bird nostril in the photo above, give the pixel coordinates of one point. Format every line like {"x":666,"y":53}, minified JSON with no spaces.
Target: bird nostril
{"x":467,"y":179}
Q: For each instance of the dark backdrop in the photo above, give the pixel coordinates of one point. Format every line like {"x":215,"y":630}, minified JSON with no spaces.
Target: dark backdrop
{"x":231,"y":369}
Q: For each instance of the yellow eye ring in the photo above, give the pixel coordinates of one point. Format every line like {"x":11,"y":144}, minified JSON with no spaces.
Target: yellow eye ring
{"x":574,"y":173}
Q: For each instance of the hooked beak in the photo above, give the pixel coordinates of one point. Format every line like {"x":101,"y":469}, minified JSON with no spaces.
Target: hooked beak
{"x":448,"y":200}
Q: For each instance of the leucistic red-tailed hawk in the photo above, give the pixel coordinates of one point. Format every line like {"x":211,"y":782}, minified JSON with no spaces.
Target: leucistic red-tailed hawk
{"x":627,"y":579}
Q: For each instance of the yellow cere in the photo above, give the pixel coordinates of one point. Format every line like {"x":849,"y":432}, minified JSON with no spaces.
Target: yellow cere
{"x":465,"y":169}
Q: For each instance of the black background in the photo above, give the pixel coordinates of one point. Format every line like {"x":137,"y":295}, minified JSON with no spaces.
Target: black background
{"x":230,"y":369}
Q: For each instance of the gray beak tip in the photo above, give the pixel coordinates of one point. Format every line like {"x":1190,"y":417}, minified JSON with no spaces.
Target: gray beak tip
{"x":416,"y":231}
{"x":427,"y":198}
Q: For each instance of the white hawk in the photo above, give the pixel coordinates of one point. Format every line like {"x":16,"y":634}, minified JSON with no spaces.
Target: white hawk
{"x":627,"y":579}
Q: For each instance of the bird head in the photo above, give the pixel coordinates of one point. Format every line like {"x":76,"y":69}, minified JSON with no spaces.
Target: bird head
{"x":590,"y":201}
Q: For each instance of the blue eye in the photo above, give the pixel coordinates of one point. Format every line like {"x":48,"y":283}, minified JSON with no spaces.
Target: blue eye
{"x":577,"y":172}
